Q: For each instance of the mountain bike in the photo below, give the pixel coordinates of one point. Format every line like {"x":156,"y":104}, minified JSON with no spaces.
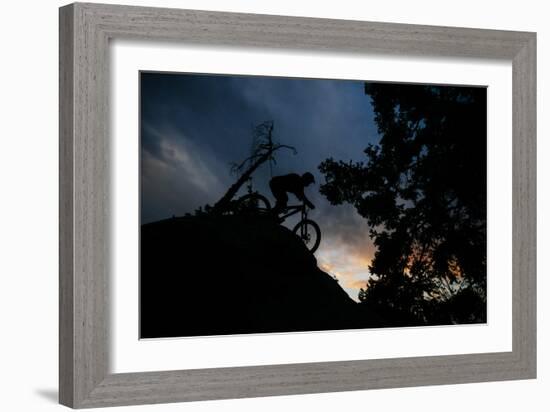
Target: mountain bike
{"x":306,"y":229}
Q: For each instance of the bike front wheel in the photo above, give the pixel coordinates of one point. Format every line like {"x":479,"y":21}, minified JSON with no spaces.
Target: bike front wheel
{"x":309,"y":232}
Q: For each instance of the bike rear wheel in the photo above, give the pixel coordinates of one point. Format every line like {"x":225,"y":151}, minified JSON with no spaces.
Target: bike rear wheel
{"x":252,"y":202}
{"x":309,"y":232}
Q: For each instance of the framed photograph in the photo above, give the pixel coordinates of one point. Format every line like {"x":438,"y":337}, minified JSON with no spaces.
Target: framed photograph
{"x":259,"y":205}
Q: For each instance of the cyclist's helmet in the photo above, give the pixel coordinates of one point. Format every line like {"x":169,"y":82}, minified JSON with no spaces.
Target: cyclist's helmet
{"x":308,"y":178}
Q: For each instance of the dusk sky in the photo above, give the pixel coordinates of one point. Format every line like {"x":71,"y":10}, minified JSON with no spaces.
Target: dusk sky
{"x":194,"y":126}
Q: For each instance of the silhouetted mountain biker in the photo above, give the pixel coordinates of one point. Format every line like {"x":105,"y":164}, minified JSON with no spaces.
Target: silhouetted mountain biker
{"x":291,"y":183}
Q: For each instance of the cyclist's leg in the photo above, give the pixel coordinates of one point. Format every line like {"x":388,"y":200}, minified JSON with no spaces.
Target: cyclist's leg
{"x":281,"y":202}
{"x":281,"y":198}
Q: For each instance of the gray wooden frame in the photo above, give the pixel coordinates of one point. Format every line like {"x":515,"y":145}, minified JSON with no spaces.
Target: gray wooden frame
{"x":85,"y":30}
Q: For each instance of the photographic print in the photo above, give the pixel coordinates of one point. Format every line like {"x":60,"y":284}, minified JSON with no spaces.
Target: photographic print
{"x":272,"y":205}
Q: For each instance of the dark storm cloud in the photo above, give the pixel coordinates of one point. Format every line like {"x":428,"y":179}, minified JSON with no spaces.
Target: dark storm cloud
{"x":194,"y":126}
{"x":177,"y":176}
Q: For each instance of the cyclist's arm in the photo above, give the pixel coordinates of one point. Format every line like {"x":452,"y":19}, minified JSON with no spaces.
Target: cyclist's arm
{"x":307,"y":201}
{"x":302,"y":196}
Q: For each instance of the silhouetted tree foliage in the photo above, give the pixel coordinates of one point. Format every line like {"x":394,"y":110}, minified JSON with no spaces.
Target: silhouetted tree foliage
{"x":422,"y":189}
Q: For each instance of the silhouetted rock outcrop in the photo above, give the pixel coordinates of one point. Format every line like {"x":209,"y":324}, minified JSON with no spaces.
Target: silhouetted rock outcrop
{"x":219,"y":275}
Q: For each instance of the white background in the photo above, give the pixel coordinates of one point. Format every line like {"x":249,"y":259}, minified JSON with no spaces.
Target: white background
{"x":28,"y":210}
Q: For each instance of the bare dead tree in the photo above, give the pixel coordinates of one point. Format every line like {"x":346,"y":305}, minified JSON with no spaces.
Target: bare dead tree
{"x":263,"y":150}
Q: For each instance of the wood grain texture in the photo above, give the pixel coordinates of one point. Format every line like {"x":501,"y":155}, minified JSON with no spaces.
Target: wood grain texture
{"x":85,"y":31}
{"x":524,"y":204}
{"x":66,"y":183}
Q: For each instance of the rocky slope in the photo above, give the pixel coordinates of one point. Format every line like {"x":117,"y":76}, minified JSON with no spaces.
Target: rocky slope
{"x":209,"y":275}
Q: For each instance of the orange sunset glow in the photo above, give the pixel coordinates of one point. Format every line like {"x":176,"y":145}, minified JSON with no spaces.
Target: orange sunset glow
{"x":349,"y":264}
